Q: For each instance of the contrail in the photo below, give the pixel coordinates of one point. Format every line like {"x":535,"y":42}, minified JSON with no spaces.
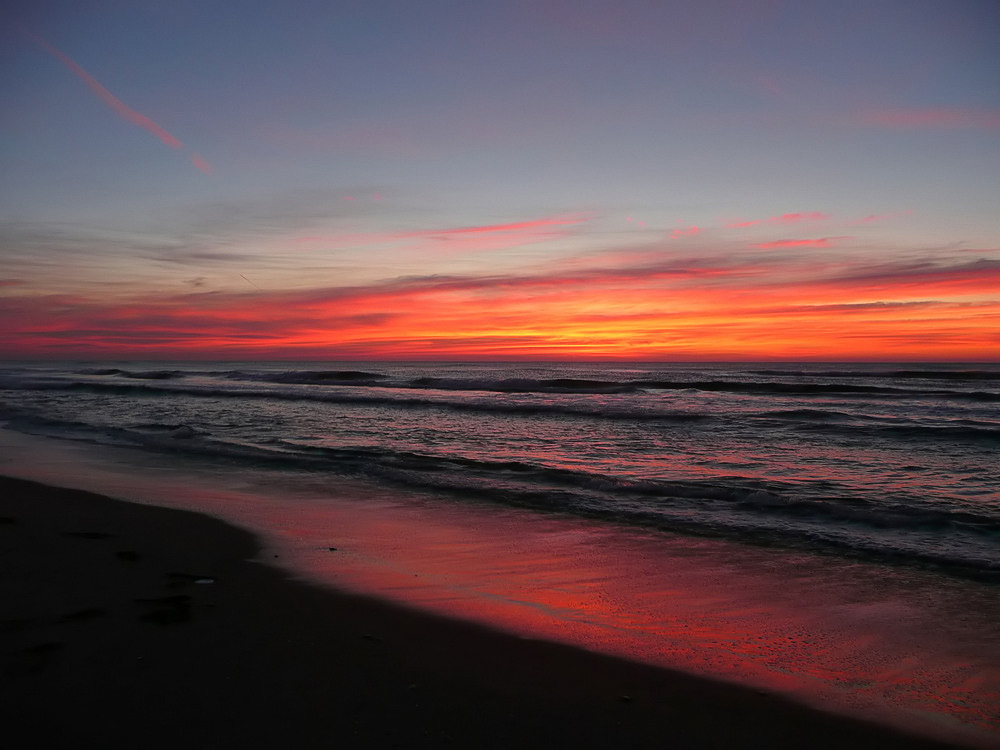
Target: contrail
{"x":106,"y":96}
{"x":116,"y":104}
{"x":203,"y":165}
{"x":250,"y":282}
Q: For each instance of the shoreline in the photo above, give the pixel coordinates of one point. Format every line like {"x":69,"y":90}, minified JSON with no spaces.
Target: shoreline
{"x":135,"y":646}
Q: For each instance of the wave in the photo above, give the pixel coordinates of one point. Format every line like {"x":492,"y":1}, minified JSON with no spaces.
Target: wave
{"x":760,"y":511}
{"x":829,"y":421}
{"x":814,"y":389}
{"x":880,"y":428}
{"x":524,"y":385}
{"x":341,"y":379}
{"x":135,"y":374}
{"x":971,"y":375}
{"x":582,"y":409}
{"x":361,"y":377}
{"x":798,"y":415}
{"x":100,"y":371}
{"x":951,"y":432}
{"x":326,"y":377}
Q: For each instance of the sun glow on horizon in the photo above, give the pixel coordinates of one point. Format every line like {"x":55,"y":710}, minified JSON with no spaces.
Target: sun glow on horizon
{"x":721,"y":308}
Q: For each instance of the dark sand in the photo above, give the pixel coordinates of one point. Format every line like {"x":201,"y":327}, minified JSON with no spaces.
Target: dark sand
{"x":109,"y":640}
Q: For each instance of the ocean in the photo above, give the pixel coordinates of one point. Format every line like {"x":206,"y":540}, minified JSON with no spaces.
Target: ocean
{"x":740,"y":520}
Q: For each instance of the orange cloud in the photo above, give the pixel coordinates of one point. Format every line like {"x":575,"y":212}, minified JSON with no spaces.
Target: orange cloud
{"x":693,"y":309}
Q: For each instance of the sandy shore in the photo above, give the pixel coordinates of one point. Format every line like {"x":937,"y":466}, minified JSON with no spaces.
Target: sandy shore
{"x":131,"y":626}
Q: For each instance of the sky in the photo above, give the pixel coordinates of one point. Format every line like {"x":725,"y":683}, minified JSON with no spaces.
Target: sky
{"x":517,"y":179}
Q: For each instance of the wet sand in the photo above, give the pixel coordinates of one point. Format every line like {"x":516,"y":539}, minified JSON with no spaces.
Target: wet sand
{"x":129,"y":625}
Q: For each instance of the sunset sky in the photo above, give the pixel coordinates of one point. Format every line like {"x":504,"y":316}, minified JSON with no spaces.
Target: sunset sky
{"x":518,"y":179}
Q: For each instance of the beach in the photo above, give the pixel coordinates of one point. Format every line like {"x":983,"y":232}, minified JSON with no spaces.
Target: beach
{"x":130,"y":625}
{"x":822,"y":538}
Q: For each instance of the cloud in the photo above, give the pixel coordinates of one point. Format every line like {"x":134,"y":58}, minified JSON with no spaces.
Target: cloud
{"x":860,"y":307}
{"x":263,"y":238}
{"x":983,"y":272}
{"x":512,"y":227}
{"x":789,"y":218}
{"x":646,"y":301}
{"x":685,"y":232}
{"x":797,"y":217}
{"x":477,"y":239}
{"x":820,"y":242}
{"x":271,"y":214}
{"x":449,"y":241}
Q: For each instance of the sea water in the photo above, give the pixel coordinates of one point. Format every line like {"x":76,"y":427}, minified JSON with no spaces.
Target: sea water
{"x":830,"y":531}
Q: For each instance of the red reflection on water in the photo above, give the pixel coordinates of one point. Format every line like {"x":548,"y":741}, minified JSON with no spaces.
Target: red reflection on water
{"x":857,"y":638}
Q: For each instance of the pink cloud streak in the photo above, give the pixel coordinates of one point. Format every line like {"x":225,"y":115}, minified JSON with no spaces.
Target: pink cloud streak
{"x":685,"y":232}
{"x":820,"y":242}
{"x":516,"y":226}
{"x":872,"y":218}
{"x":452,"y":241}
{"x":790,"y":218}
